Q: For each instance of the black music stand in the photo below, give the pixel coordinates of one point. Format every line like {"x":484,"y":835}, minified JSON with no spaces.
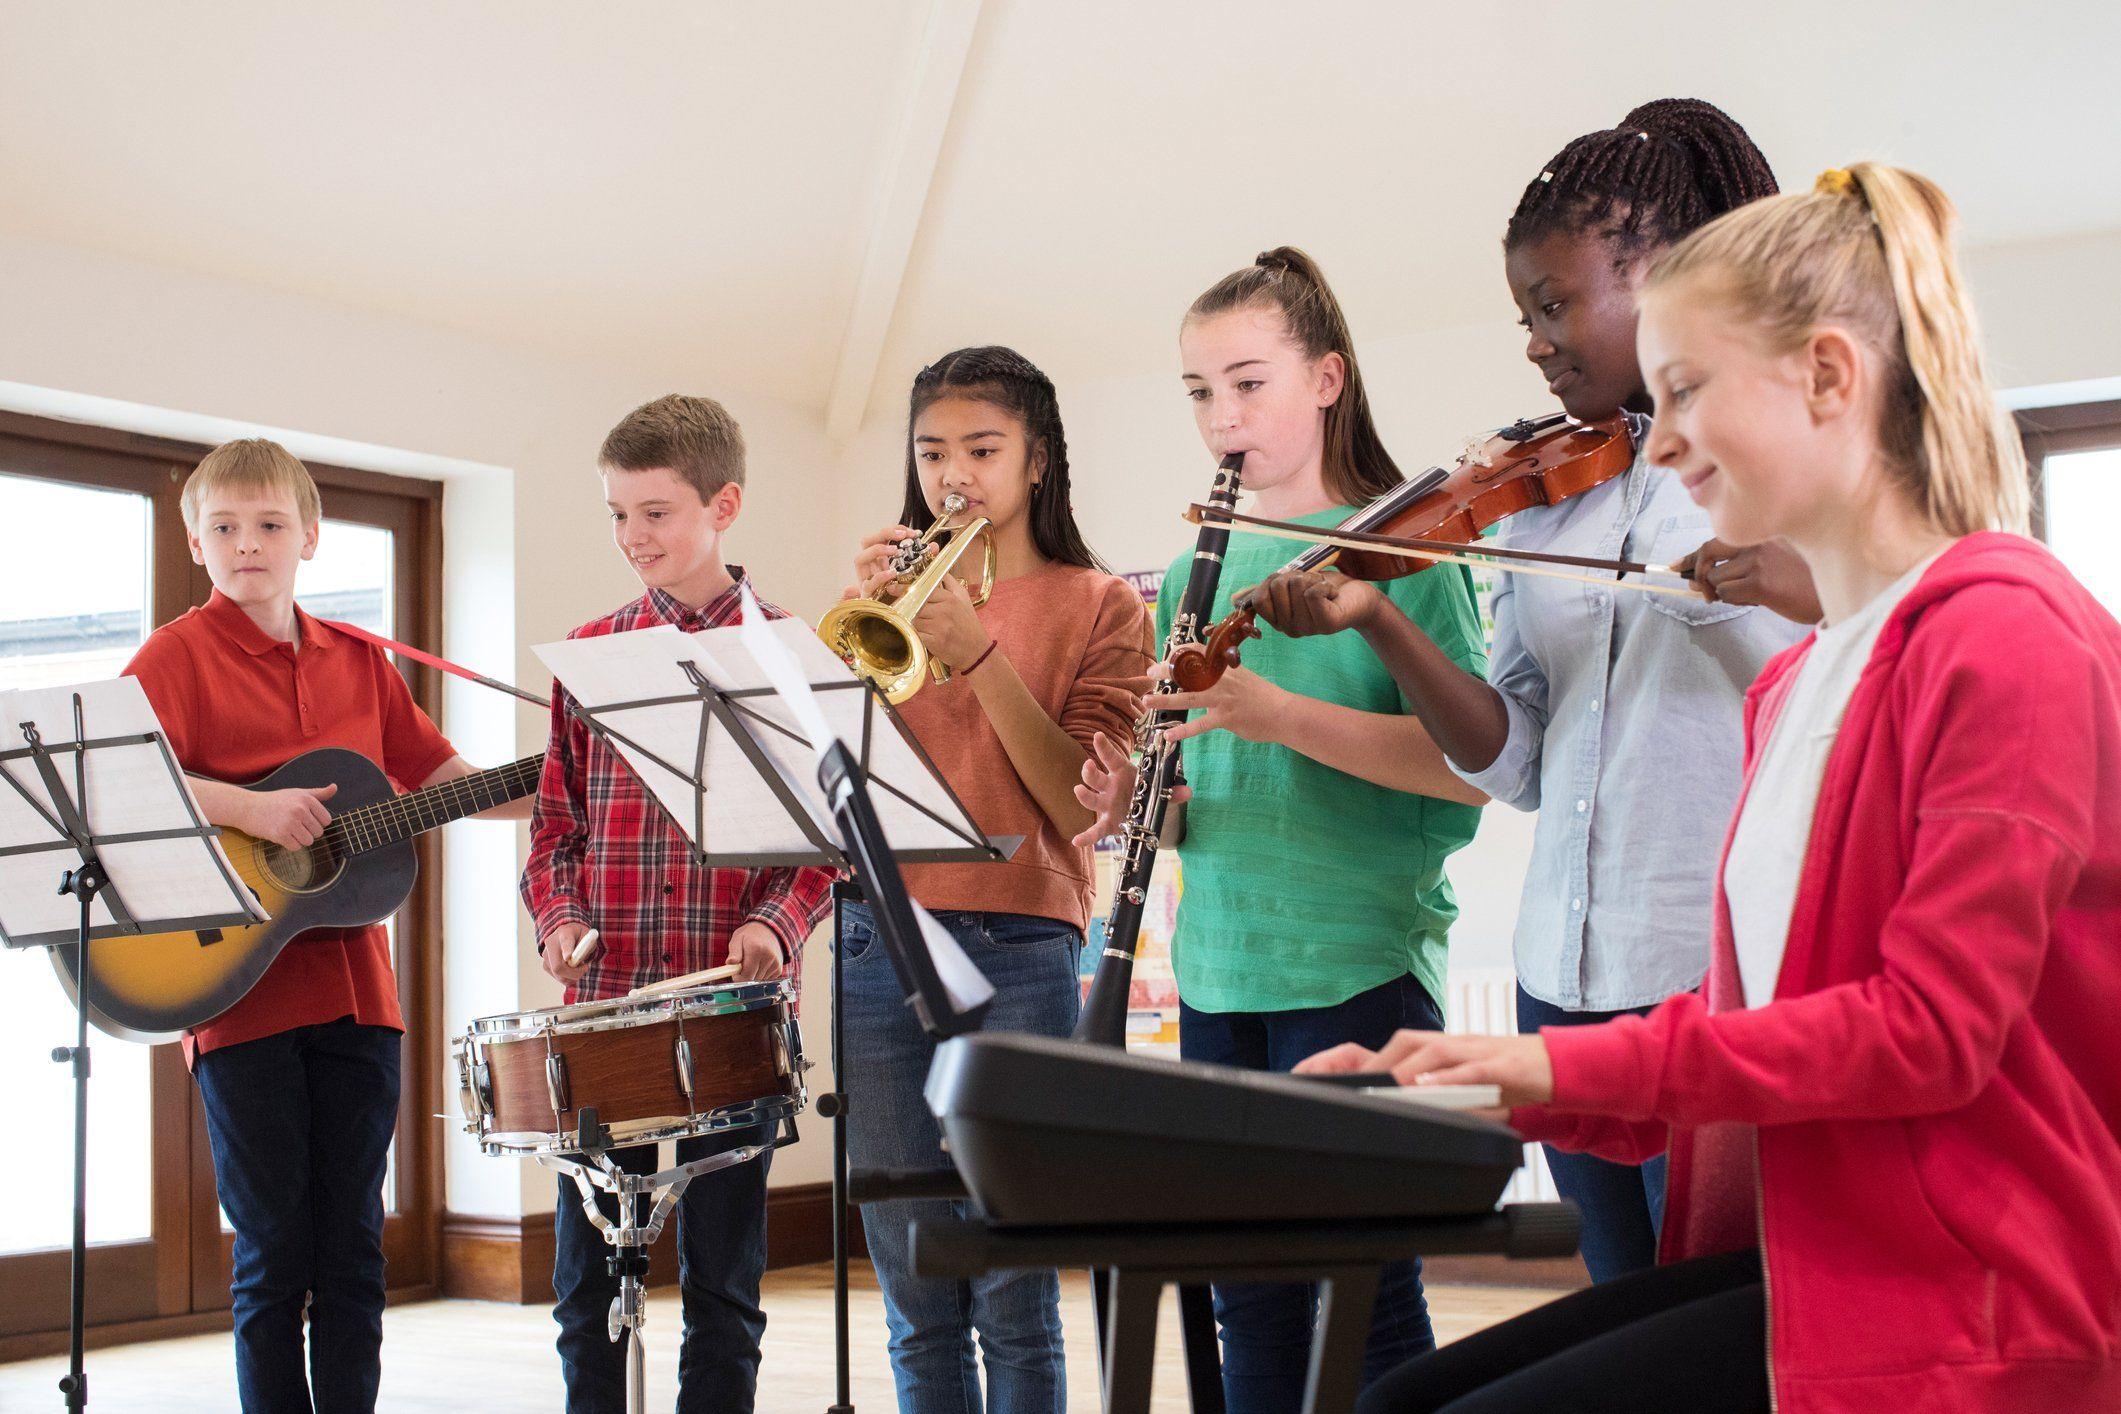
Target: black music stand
{"x":837,"y":818}
{"x":45,"y":817}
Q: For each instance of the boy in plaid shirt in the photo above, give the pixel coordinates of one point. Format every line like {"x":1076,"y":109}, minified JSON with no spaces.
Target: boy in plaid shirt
{"x":603,"y":855}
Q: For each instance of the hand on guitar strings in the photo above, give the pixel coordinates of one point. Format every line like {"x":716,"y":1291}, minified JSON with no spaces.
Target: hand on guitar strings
{"x":291,"y":819}
{"x":1517,"y":1065}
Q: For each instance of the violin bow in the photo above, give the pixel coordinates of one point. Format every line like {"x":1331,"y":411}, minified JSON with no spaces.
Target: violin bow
{"x":1451,"y":552}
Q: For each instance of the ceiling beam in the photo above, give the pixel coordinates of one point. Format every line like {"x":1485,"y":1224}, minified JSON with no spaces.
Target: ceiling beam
{"x":905,"y":168}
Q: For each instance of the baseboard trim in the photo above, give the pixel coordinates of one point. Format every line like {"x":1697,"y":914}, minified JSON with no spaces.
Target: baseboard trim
{"x":510,"y":1259}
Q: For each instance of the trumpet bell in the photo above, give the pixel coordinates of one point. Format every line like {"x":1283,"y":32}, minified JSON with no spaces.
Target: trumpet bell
{"x":879,"y":644}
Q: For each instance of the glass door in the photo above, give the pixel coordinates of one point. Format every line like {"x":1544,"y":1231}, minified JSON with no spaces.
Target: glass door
{"x":80,"y":599}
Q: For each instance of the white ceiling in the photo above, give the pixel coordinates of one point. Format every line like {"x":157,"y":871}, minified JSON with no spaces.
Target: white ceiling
{"x":800,"y":200}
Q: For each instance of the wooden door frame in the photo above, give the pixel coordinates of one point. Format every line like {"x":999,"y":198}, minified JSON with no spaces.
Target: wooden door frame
{"x":146,"y":1286}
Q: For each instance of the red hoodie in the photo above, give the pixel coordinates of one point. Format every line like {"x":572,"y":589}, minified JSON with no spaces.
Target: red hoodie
{"x":1920,"y":1132}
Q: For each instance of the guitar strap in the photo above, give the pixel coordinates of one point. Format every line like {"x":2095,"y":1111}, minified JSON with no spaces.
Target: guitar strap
{"x":432,"y":661}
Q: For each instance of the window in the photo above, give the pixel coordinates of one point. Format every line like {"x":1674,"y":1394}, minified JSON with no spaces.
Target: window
{"x":2076,"y":463}
{"x":93,"y":549}
{"x":68,"y":618}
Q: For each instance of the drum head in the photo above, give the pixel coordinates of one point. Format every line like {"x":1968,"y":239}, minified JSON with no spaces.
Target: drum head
{"x":710,"y":999}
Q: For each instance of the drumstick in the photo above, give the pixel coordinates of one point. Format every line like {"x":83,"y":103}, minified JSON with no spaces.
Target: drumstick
{"x":691,"y":979}
{"x":579,"y":953}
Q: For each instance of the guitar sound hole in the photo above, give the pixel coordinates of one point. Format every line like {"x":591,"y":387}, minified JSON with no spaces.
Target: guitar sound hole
{"x":299,"y":870}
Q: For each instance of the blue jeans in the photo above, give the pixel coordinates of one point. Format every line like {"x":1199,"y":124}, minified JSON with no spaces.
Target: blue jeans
{"x":1267,"y":1327}
{"x":1032,"y":963}
{"x":1622,"y":1206}
{"x":721,"y":1256}
{"x":300,"y":1125}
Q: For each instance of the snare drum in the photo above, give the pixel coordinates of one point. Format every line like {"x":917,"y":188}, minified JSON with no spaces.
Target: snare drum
{"x":668,"y":1066}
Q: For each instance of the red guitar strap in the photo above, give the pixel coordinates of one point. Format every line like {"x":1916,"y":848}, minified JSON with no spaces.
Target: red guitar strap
{"x":432,"y":661}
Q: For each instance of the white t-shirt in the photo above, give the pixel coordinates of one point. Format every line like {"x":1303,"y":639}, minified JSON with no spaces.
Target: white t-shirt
{"x":1775,"y":822}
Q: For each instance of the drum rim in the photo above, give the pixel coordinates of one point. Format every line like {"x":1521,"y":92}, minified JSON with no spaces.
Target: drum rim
{"x":620,"y":1013}
{"x":531,"y":1143}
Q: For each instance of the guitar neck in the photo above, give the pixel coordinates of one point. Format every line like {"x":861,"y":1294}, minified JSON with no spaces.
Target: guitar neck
{"x":416,"y":812}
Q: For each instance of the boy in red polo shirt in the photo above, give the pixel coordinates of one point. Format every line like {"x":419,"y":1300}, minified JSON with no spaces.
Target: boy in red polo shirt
{"x":603,"y":855}
{"x":300,"y":1077}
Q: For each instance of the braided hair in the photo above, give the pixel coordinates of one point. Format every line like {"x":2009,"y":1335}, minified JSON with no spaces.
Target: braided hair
{"x":1004,"y":377}
{"x":1671,"y":166}
{"x":1357,"y":469}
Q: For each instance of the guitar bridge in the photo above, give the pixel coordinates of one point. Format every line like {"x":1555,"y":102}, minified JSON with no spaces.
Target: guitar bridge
{"x":208,"y":937}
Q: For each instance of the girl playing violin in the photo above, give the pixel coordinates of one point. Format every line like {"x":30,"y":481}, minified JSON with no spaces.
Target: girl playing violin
{"x":1315,"y":908}
{"x":1893,"y":1115}
{"x":1056,"y":655}
{"x":1614,"y":715}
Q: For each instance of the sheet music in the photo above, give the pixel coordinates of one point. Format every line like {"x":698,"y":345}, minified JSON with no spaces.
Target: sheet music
{"x":743,"y":815}
{"x":129,"y":789}
{"x":785,"y":671}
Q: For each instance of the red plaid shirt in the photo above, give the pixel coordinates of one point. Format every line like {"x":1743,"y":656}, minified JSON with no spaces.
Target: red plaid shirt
{"x":605,"y":855}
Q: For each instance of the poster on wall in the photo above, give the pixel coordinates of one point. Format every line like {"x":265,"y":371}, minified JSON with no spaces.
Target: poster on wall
{"x":1152,"y":1002}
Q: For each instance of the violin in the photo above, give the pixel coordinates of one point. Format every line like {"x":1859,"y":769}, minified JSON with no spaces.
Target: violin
{"x":1533,"y":462}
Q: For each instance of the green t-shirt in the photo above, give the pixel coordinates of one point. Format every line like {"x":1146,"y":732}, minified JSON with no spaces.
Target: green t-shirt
{"x":1305,"y":886}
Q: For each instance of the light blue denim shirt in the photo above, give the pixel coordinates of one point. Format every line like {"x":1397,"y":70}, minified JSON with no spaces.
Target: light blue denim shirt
{"x":1625,"y":735}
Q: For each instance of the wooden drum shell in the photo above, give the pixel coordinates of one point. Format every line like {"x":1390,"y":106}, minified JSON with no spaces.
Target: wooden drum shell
{"x":629,"y":1071}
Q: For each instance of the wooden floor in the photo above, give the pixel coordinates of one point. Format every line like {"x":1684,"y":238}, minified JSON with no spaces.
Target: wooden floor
{"x":457,"y":1355}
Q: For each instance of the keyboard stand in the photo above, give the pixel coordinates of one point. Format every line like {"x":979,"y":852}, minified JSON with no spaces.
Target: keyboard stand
{"x":1343,"y":1257}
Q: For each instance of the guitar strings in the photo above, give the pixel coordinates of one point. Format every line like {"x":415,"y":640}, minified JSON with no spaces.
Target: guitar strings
{"x":368,"y":826}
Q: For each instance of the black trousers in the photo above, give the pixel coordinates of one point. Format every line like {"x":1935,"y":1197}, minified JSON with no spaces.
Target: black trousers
{"x":1683,"y":1338}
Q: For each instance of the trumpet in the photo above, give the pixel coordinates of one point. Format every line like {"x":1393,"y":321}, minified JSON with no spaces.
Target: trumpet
{"x":876,"y":636}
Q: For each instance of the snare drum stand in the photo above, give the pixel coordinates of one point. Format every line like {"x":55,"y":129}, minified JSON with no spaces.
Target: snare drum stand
{"x":629,"y":1237}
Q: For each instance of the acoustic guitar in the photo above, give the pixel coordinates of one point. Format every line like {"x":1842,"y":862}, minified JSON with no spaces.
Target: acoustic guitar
{"x":153,"y":986}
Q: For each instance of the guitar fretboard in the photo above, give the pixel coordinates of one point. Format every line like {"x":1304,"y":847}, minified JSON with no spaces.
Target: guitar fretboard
{"x":369,"y":827}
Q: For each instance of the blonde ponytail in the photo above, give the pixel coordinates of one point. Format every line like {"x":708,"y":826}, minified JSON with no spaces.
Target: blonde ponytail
{"x":1870,"y":249}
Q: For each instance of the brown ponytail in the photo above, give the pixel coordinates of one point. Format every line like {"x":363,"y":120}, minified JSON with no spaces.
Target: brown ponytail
{"x":1870,"y":249}
{"x":1357,"y":468}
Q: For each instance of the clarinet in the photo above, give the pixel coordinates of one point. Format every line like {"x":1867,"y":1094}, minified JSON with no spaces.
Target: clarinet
{"x":1104,"y":1018}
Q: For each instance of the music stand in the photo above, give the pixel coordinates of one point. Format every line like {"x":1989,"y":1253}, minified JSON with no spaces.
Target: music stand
{"x":721,"y":707}
{"x":127,"y":843}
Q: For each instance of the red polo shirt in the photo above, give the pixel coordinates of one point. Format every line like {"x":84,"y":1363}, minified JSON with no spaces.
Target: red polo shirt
{"x":237,"y":705}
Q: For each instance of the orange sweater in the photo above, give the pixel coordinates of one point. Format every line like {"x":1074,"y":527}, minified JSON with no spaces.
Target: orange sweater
{"x":1080,"y":640}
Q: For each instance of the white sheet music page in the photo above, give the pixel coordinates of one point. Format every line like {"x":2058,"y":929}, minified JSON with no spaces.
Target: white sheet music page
{"x":129,"y":790}
{"x":787,"y":656}
{"x":645,"y":665}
